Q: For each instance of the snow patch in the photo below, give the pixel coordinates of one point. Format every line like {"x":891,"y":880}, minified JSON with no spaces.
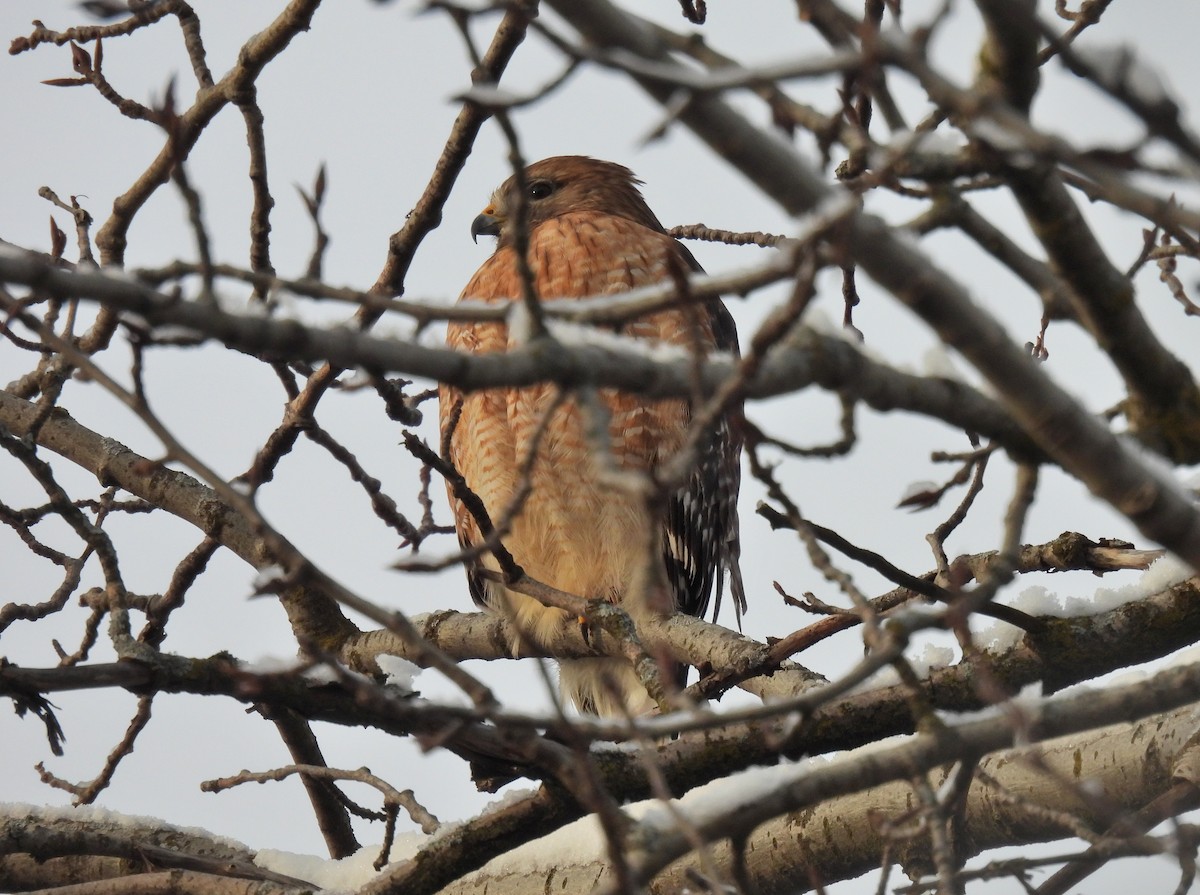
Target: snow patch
{"x":104,"y":818}
{"x":346,"y":875}
{"x":270,"y":665}
{"x":1164,"y":572}
{"x":277,"y":665}
{"x":937,"y":361}
{"x":1120,"y":70}
{"x":399,"y":673}
{"x":918,"y":489}
{"x":267,"y":577}
{"x":929,"y":658}
{"x":1004,"y":140}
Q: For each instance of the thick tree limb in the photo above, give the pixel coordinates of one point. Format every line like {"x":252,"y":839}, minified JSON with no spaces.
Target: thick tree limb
{"x":58,"y":833}
{"x":842,"y":835}
{"x":804,"y":359}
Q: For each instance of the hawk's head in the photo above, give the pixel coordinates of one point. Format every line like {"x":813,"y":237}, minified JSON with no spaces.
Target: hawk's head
{"x":562,"y":185}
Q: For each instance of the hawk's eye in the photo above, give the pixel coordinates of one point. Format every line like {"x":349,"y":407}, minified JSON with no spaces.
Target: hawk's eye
{"x":540,"y":189}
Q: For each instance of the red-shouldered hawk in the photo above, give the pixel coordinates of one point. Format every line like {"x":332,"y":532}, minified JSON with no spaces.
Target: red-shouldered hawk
{"x":591,"y":233}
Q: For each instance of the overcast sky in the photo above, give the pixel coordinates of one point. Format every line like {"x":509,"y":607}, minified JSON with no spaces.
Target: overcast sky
{"x":369,"y":92}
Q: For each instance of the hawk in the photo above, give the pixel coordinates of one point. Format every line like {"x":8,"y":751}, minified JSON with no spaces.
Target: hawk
{"x":591,"y":233}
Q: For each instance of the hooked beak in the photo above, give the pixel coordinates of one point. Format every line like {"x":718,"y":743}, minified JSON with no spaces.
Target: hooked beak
{"x":486,"y":224}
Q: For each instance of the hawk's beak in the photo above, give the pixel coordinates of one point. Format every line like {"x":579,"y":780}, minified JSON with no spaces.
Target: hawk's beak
{"x":486,"y":224}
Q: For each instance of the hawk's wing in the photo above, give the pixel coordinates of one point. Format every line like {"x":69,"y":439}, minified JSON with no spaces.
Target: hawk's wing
{"x":476,"y":437}
{"x":700,"y":527}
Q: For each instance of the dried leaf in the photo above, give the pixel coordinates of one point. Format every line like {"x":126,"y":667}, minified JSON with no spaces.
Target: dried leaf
{"x":167,"y":109}
{"x":921,"y":496}
{"x":309,"y":205}
{"x":81,"y":59}
{"x":58,"y":239}
{"x":319,"y":186}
